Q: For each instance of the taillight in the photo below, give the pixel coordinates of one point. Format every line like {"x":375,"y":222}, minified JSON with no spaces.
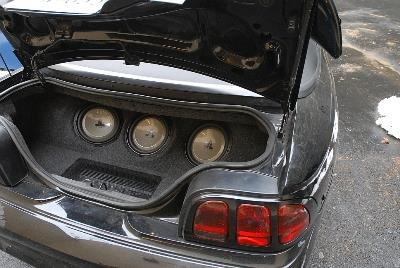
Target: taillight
{"x":293,"y":219}
{"x":253,"y":225}
{"x":211,"y":221}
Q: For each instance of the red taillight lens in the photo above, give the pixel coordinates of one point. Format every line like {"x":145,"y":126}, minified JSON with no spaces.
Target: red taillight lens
{"x":293,"y":219}
{"x":211,"y":221}
{"x":253,"y":225}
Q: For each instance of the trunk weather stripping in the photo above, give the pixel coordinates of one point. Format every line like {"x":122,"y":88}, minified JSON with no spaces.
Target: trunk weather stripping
{"x":135,"y":203}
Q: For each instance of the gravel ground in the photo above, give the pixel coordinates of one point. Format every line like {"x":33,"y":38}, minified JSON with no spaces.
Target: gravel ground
{"x":361,"y":224}
{"x":8,"y":261}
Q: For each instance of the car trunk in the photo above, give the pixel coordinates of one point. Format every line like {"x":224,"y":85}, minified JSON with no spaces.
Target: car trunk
{"x":48,"y":119}
{"x":260,"y":46}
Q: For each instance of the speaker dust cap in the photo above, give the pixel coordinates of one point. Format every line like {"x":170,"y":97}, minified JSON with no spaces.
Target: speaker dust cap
{"x":148,"y":134}
{"x":207,"y":144}
{"x":99,"y":124}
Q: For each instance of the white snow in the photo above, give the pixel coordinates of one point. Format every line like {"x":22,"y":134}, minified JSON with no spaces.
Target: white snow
{"x":389,"y":115}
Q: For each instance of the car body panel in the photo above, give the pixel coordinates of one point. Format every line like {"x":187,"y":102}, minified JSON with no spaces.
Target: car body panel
{"x":46,"y":225}
{"x":86,"y":232}
{"x":327,"y":28}
{"x":315,"y":129}
{"x":76,"y":230}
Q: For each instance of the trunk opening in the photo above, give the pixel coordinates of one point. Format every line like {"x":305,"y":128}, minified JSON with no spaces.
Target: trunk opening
{"x":48,"y":117}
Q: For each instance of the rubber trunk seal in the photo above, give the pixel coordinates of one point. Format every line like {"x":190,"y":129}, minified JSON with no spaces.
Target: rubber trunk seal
{"x":137,"y":204}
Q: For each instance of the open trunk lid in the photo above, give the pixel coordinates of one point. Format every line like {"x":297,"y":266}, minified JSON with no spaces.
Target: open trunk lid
{"x":259,"y":45}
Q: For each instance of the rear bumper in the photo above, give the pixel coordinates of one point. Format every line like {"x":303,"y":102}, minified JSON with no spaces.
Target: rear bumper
{"x":45,"y":234}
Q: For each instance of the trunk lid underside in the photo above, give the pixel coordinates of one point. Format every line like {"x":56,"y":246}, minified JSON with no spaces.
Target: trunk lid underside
{"x":257,"y":45}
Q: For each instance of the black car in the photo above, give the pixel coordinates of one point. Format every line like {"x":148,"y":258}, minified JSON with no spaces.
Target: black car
{"x":167,"y":133}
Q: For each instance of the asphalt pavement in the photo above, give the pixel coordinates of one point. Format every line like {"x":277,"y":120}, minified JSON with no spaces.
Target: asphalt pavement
{"x":361,"y":224}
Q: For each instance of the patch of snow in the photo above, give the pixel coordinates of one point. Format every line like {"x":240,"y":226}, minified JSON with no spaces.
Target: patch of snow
{"x":389,"y":111}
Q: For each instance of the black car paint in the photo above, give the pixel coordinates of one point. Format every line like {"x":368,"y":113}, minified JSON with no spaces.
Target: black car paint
{"x":327,"y":28}
{"x":60,"y":217}
{"x":100,"y":235}
{"x":312,"y":133}
{"x":46,"y":223}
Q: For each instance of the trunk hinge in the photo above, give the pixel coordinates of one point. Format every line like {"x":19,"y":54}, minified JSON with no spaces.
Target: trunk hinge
{"x":35,"y":69}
